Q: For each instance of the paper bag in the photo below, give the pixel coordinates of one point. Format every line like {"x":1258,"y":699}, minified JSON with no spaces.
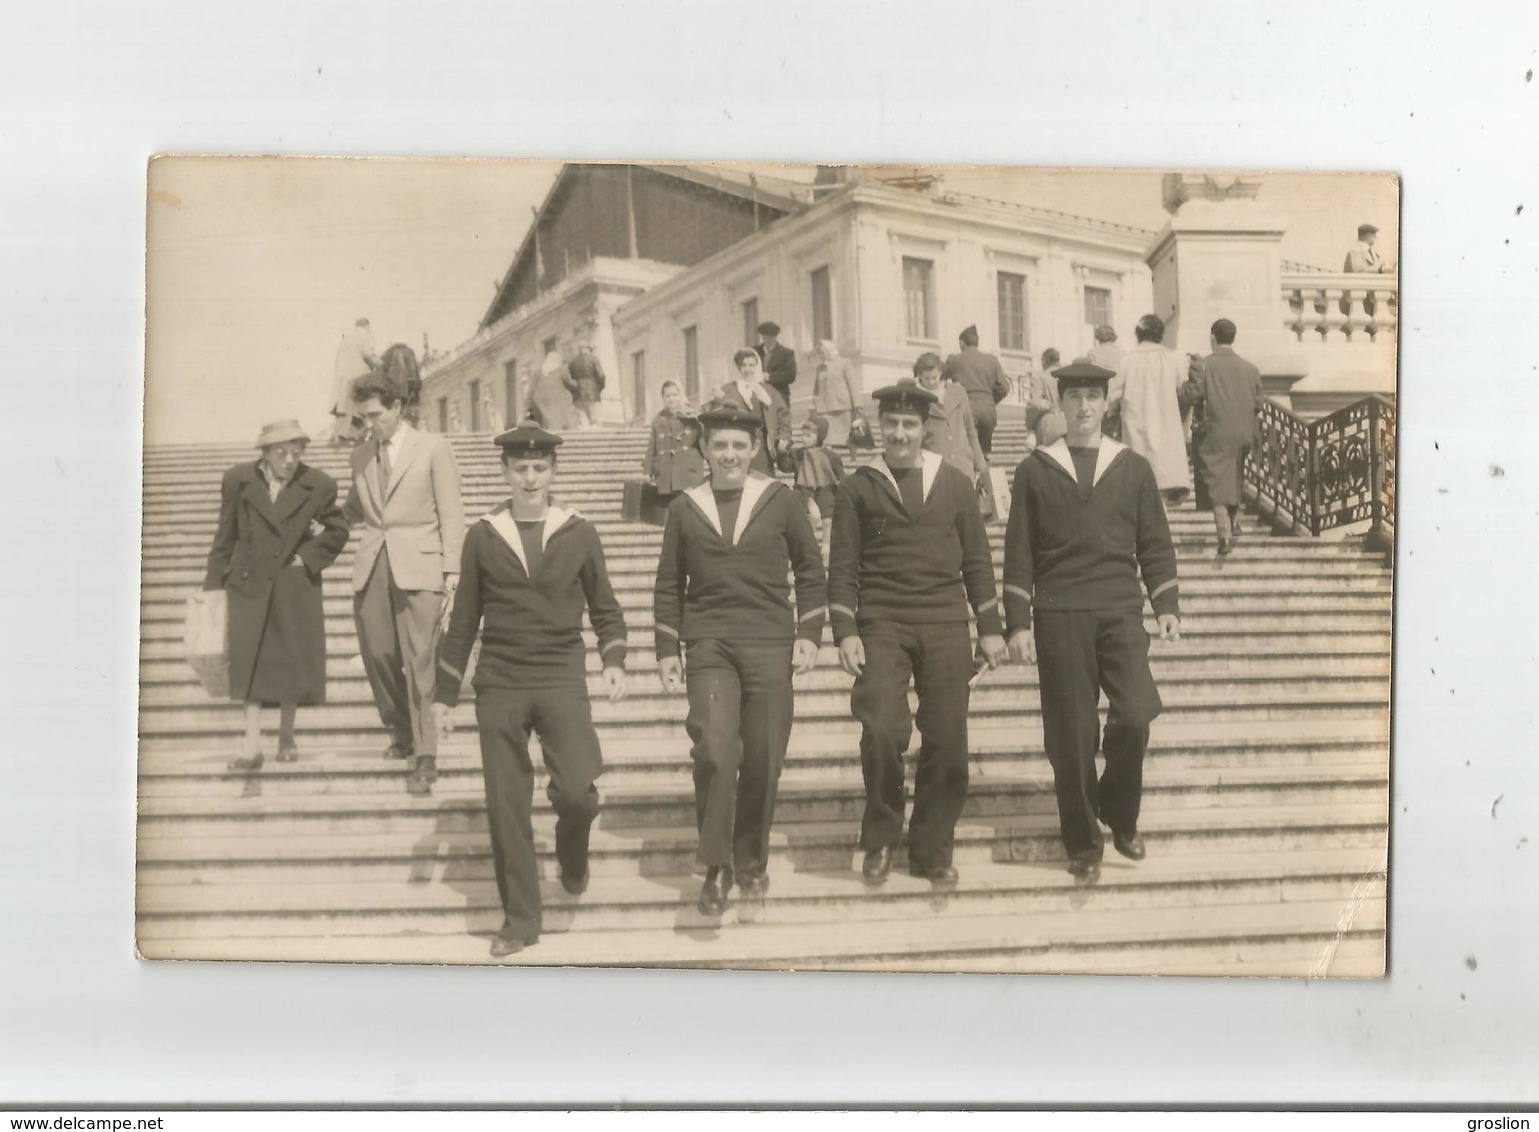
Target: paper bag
{"x":207,"y":641}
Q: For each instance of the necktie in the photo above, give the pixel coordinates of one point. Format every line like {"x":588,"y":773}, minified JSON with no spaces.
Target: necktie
{"x":384,"y":469}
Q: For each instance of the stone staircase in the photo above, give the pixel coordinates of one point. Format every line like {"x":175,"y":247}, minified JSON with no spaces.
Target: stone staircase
{"x":1265,"y":807}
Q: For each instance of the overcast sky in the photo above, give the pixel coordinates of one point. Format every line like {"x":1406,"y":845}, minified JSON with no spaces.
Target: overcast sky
{"x":256,"y":266}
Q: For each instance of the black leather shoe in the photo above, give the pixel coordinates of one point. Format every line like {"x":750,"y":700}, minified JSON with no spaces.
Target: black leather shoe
{"x":936,"y":874}
{"x":1130,"y":845}
{"x":507,"y":943}
{"x":877,"y":865}
{"x":424,"y":773}
{"x":1086,"y":869}
{"x":713,"y":894}
{"x":246,"y":763}
{"x":575,"y":885}
{"x":398,"y":751}
{"x":1225,"y":546}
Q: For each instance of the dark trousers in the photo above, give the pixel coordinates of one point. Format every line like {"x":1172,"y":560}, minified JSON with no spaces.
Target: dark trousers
{"x":985,"y":420}
{"x":740,"y":722}
{"x":564,"y":721}
{"x":1080,"y":654}
{"x":939,"y":660}
{"x":398,"y":638}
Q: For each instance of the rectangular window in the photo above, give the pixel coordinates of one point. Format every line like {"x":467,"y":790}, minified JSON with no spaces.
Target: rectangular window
{"x":547,"y":348}
{"x":1098,"y":307}
{"x":475,"y":406}
{"x":443,"y":414}
{"x":751,"y":321}
{"x":822,"y":306}
{"x":1012,"y":311}
{"x":692,"y":363}
{"x":918,"y":299}
{"x":510,"y":406}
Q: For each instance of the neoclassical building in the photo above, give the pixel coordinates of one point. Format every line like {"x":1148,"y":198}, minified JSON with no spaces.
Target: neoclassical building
{"x":667,"y":269}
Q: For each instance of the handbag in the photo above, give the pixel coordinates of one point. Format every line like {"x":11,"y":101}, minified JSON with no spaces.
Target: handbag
{"x":860,"y":433}
{"x":206,"y":639}
{"x":985,"y":496}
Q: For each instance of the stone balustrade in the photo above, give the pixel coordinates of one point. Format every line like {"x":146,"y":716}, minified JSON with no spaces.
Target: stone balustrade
{"x":1337,"y":308}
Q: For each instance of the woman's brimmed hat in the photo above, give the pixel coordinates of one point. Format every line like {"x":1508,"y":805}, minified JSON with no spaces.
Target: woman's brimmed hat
{"x":276,"y":432}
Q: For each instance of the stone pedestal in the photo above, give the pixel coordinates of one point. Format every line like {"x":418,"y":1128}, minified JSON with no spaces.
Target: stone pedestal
{"x":1220,"y":256}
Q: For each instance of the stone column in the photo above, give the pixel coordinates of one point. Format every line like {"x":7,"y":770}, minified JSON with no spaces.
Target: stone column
{"x":1220,"y":256}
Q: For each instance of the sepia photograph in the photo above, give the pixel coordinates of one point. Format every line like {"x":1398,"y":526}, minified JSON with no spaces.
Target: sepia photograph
{"x":776,"y":567}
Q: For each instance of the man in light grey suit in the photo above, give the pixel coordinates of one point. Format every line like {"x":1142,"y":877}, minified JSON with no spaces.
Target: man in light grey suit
{"x":406,"y":493}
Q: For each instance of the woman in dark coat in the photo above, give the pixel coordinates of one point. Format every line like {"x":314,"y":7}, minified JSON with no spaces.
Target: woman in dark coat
{"x":673,"y":462}
{"x":279,"y":527}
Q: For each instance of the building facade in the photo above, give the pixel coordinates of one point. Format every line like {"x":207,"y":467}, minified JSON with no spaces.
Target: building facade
{"x":668,"y":281}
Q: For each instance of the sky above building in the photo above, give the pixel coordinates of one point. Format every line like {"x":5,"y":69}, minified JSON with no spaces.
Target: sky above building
{"x":256,"y":266}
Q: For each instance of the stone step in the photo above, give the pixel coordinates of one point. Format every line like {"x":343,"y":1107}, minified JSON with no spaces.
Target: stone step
{"x":1065,"y":939}
{"x":204,"y":772}
{"x":603,"y":512}
{"x":172,"y":677}
{"x":425,"y":853}
{"x":634,"y":582}
{"x":1236,"y":622}
{"x":359,"y":727}
{"x":618,"y":533}
{"x":1356,"y":953}
{"x":161,"y":620}
{"x":1006,"y":889}
{"x":161,"y":659}
{"x":1267,"y":696}
{"x":192,"y":535}
{"x":1007,"y":738}
{"x":178,"y":687}
{"x":459,"y":806}
{"x":1026,"y":788}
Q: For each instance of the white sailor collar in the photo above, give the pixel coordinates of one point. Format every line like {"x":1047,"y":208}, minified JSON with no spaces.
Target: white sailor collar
{"x":754,"y":489}
{"x":1109,"y":450}
{"x":500,"y":519}
{"x":929,"y":464}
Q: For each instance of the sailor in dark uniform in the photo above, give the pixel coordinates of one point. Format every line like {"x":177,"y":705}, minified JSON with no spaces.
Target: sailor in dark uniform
{"x":527,"y":571}
{"x":909,"y":556}
{"x":1086,"y":521}
{"x":722,"y":598}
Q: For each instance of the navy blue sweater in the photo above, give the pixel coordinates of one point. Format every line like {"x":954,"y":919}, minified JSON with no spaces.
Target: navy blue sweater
{"x":886,"y":565}
{"x":731,"y":585}
{"x":1083,"y":548}
{"x":531,"y":628}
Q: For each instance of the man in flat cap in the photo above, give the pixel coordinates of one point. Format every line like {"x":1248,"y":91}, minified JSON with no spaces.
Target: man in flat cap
{"x":752,"y":393}
{"x":1363,"y":259}
{"x":1086,"y":521}
{"x":909,"y":556}
{"x":983,"y":380}
{"x":726,"y":632}
{"x":528,"y":570}
{"x":779,"y":361}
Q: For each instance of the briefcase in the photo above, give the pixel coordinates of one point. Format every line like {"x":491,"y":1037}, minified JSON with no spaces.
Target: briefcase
{"x":642,"y":503}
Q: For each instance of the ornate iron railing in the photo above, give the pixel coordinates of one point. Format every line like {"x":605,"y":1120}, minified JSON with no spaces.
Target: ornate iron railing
{"x":1313,"y":476}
